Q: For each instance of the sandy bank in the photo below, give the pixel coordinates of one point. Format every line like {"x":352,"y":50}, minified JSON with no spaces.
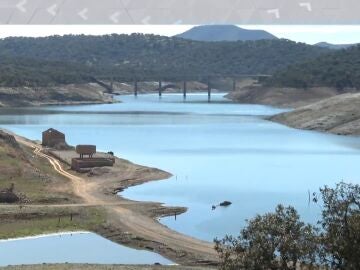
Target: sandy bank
{"x":339,"y":115}
{"x":89,"y":93}
{"x":280,"y":97}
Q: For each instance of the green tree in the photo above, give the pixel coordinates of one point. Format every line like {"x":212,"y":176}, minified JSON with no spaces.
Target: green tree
{"x":340,"y":239}
{"x":281,"y":241}
{"x":271,"y":241}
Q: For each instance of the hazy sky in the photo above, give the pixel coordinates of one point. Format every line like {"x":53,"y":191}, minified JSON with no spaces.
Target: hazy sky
{"x":338,"y":34}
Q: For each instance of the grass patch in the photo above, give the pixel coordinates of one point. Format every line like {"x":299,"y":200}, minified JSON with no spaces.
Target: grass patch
{"x":21,"y":223}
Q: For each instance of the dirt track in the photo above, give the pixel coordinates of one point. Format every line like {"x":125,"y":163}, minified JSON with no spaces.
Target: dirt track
{"x":129,"y":218}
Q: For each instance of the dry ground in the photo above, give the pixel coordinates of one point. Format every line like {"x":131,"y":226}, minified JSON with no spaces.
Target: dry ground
{"x":31,"y":175}
{"x":280,"y":97}
{"x":61,"y":94}
{"x":339,"y":115}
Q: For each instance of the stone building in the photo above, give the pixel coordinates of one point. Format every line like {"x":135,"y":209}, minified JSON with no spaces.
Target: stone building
{"x":53,"y":138}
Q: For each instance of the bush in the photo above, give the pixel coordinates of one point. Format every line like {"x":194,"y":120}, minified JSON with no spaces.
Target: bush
{"x":340,"y":224}
{"x":272,"y":241}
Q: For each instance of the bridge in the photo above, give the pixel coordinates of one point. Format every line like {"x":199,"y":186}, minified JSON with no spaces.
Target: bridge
{"x":184,"y":79}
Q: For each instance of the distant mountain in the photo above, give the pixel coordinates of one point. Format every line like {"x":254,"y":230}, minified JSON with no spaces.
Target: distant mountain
{"x":334,"y":46}
{"x":224,"y":33}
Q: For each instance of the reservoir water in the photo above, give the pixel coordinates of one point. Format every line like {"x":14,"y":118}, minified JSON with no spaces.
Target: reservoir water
{"x":216,"y":151}
{"x":72,"y":248}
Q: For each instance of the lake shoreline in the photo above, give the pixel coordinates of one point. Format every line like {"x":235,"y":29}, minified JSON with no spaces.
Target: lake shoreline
{"x":130,"y":223}
{"x":338,"y":115}
{"x":43,"y":235}
{"x":70,"y":266}
{"x":66,"y":94}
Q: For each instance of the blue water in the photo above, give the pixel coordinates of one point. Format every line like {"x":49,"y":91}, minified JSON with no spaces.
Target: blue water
{"x":75,"y":248}
{"x":216,"y":151}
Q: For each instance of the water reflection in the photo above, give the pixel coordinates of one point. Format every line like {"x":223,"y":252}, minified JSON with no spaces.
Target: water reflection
{"x":73,"y":248}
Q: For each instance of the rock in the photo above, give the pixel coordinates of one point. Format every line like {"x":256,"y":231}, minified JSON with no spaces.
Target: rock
{"x":9,"y":139}
{"x":8,"y":197}
{"x":225,"y":203}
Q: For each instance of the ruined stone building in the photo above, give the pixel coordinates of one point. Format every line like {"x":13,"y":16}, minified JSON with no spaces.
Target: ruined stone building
{"x":53,"y":138}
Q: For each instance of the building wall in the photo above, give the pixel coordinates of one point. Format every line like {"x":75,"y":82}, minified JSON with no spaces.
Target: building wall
{"x":52,"y":138}
{"x":77,"y":163}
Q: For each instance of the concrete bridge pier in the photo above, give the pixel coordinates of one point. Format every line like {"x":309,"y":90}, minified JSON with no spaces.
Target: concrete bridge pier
{"x":160,"y":88}
{"x":135,"y":88}
{"x":234,"y":84}
{"x":209,"y":91}
{"x":112,"y":84}
{"x":184,"y":89}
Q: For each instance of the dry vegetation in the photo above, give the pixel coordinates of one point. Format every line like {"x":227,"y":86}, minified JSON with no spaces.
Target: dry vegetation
{"x":46,"y":198}
{"x":33,"y":178}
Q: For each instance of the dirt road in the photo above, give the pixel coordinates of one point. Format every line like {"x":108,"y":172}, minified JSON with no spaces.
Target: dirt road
{"x":126,"y":219}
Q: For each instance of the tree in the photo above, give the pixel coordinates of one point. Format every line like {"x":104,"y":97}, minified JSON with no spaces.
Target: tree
{"x":281,"y":241}
{"x":271,"y":241}
{"x":76,"y":59}
{"x":339,"y":69}
{"x":340,"y":239}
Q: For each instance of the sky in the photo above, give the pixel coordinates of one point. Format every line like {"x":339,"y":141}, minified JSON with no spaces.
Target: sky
{"x":311,"y":34}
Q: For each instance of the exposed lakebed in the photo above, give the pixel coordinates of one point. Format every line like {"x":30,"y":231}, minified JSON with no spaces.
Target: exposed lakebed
{"x":216,"y":151}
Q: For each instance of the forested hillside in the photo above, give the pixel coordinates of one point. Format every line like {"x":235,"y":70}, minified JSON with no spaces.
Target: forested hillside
{"x":72,"y":59}
{"x":339,"y":69}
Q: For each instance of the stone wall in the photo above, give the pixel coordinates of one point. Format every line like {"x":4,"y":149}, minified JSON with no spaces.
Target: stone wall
{"x":77,"y":163}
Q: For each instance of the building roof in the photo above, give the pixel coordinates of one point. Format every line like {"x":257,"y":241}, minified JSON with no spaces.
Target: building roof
{"x":54,"y":131}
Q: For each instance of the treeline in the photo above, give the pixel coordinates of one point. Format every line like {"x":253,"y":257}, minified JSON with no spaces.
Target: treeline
{"x":339,"y":69}
{"x":21,"y":71}
{"x":73,"y":59}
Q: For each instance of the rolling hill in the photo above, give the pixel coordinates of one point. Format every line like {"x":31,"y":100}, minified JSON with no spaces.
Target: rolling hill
{"x":334,"y":46}
{"x":78,"y":59}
